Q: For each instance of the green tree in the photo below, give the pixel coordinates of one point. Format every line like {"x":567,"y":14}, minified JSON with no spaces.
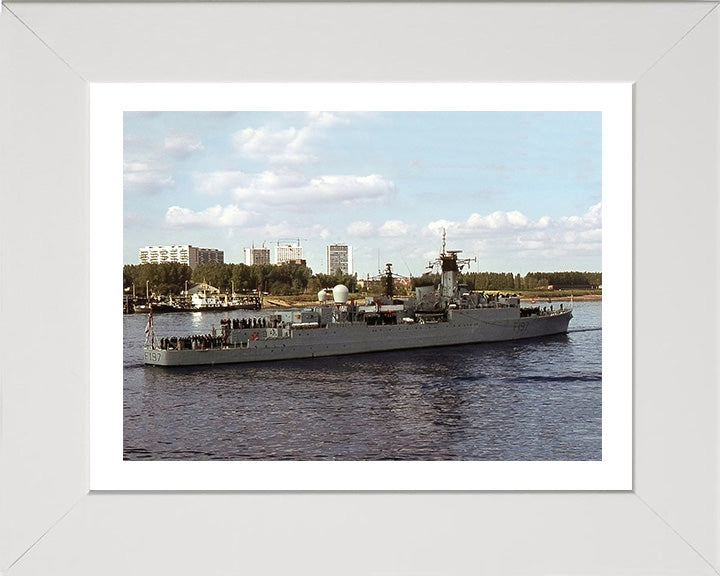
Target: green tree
{"x":159,"y":279}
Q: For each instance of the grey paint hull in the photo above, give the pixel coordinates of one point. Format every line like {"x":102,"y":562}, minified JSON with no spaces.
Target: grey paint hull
{"x":463,"y":326}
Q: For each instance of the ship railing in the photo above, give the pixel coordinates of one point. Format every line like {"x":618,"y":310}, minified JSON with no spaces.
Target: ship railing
{"x":306,"y":325}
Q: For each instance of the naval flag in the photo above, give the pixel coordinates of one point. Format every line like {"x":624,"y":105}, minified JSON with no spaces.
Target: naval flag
{"x":149,"y":327}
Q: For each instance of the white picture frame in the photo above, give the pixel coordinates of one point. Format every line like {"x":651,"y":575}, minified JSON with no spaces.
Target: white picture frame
{"x":668,"y":523}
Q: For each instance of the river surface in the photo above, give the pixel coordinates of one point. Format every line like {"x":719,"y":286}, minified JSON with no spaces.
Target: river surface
{"x":527,"y":400}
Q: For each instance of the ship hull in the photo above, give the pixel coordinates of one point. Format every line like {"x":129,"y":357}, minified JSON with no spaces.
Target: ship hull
{"x":462,"y":326}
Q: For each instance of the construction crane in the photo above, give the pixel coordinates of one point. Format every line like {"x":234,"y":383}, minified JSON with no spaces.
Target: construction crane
{"x":281,"y":240}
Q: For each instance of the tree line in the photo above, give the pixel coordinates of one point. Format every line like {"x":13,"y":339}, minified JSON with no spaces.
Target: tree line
{"x":532,"y":280}
{"x":158,"y":279}
{"x":284,"y":279}
{"x":295,"y":279}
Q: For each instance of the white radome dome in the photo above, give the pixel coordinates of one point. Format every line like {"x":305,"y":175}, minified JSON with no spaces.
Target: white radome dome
{"x":340,"y":294}
{"x":322,"y":296}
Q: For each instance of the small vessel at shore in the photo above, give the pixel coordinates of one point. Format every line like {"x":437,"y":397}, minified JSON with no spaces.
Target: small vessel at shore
{"x":218,"y":304}
{"x":207,"y":298}
{"x":201,"y":305}
{"x":444,"y":315}
{"x":161,"y":307}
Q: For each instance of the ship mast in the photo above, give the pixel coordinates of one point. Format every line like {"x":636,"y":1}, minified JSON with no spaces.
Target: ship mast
{"x":389,"y":282}
{"x":450,"y":266}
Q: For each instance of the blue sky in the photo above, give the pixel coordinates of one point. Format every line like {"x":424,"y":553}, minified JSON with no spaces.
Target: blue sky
{"x":519,"y":191}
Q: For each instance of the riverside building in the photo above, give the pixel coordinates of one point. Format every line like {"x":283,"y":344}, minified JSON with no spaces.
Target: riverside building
{"x":257,"y":255}
{"x":184,"y":254}
{"x":338,"y":257}
{"x":288,"y":253}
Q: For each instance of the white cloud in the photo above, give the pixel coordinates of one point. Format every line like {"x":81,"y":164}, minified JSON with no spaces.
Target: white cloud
{"x":146,"y":179}
{"x":220,"y":183}
{"x":498,"y":221}
{"x":515,"y":220}
{"x":275,"y":146}
{"x":531,"y":243}
{"x":287,"y":146}
{"x":545,"y":236}
{"x":591,"y":219}
{"x":361,"y":229}
{"x":213,"y":217}
{"x":321,"y":231}
{"x":182,"y":146}
{"x":273,"y":182}
{"x":294,"y":231}
{"x":325,"y":119}
{"x":389,"y":229}
{"x":394,"y":228}
{"x":291,"y":189}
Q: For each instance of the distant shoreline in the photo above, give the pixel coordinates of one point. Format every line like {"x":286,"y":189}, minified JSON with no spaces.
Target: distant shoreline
{"x":586,"y":297}
{"x":291,"y":302}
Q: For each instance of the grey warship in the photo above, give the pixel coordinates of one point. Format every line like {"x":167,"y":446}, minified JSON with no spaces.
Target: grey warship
{"x":444,"y":315}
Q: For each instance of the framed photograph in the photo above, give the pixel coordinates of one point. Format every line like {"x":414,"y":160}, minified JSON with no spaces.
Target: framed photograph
{"x":565,"y":145}
{"x":648,"y":504}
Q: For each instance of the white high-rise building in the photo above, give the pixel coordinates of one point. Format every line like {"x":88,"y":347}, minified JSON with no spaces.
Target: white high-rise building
{"x":183,"y":253}
{"x":288,"y":253}
{"x":339,"y":257}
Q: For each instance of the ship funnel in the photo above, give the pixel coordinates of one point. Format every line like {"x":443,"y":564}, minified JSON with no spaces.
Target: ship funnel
{"x":340,"y":294}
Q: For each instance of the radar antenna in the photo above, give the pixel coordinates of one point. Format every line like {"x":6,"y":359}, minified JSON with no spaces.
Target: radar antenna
{"x":448,"y":259}
{"x":387,"y":277}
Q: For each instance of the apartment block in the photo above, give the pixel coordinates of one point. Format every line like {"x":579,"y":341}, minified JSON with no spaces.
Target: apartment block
{"x":257,"y":255}
{"x":182,"y":253}
{"x":338,"y":257}
{"x":288,"y":253}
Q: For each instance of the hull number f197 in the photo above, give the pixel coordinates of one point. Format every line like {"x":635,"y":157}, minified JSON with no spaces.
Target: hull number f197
{"x":152,"y":356}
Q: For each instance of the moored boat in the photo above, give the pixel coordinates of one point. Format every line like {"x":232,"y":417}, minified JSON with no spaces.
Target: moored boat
{"x":161,"y":307}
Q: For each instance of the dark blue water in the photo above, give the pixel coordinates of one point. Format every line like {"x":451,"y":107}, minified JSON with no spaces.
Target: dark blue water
{"x":528,"y":400}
